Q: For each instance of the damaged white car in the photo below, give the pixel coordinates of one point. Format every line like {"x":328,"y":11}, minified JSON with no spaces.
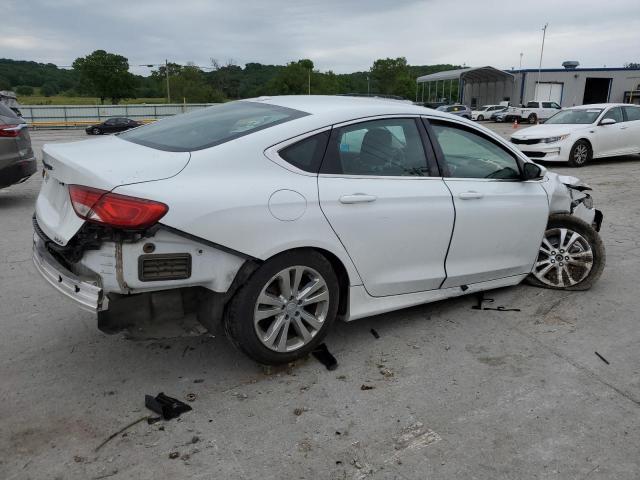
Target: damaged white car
{"x":275,"y":216}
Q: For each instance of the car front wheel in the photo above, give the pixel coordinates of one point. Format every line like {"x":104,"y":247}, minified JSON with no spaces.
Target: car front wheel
{"x":480,"y":118}
{"x":580,"y":154}
{"x":285,"y":309}
{"x":571,"y":257}
{"x":96,"y":131}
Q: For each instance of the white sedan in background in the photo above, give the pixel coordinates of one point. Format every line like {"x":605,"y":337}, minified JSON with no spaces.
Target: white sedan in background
{"x":278,"y":215}
{"x":485,"y":112}
{"x":578,"y":134}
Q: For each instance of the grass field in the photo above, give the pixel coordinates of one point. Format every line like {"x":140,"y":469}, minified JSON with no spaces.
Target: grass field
{"x":61,"y":100}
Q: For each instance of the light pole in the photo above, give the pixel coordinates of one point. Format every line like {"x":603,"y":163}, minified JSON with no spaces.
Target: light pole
{"x":368,"y":87}
{"x":521,"y":60}
{"x":544,"y":34}
{"x":166,"y":72}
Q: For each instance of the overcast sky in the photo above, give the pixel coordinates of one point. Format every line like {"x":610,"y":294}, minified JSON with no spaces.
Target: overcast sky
{"x":338,"y":35}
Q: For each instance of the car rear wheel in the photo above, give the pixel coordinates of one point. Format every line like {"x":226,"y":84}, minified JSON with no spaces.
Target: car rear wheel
{"x":285,"y":309}
{"x":571,"y":256}
{"x":96,"y":131}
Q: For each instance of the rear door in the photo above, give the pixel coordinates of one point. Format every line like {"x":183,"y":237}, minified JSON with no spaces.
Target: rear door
{"x":393,"y":218}
{"x":632,"y":120}
{"x":500,"y":219}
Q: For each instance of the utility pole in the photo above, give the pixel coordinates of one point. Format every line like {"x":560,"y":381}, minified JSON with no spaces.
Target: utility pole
{"x":309,"y":82}
{"x":166,"y":71}
{"x":368,"y":87}
{"x":544,"y":34}
{"x":521,"y":60}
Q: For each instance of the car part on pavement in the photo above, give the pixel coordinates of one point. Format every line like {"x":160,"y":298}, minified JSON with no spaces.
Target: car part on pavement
{"x":571,"y":256}
{"x":166,"y":406}
{"x":324,"y":356}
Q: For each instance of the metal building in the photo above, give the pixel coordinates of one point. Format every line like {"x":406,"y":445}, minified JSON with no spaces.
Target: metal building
{"x":567,"y":86}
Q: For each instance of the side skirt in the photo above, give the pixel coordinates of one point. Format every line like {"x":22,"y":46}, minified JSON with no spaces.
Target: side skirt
{"x":361,"y":304}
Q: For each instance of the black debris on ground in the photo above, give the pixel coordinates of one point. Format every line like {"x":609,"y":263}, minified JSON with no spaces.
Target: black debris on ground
{"x":602,"y":358}
{"x":375,"y":333}
{"x":324,"y":356}
{"x":166,"y":406}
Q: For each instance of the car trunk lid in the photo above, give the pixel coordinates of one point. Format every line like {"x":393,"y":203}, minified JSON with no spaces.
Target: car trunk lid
{"x":105,"y":163}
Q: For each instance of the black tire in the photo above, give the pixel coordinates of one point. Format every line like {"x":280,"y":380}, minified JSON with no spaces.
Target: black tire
{"x":581,"y":153}
{"x":533,"y":118}
{"x":96,"y":131}
{"x":239,"y":315}
{"x":599,"y":256}
{"x":480,"y":118}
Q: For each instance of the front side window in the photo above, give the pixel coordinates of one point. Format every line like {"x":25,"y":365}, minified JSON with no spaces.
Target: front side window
{"x":110,"y":122}
{"x":470,"y":155}
{"x":633,"y":113}
{"x":532,"y":105}
{"x":210,"y":126}
{"x":389,"y":147}
{"x":615,"y":113}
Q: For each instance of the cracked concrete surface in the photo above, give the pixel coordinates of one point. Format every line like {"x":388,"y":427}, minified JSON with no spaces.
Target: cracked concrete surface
{"x":458,"y":393}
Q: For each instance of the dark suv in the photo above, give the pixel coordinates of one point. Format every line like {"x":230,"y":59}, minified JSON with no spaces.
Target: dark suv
{"x":17,"y":162}
{"x":460,"y":110}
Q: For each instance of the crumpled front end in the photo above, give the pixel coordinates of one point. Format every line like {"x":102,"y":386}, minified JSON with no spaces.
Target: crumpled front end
{"x":568,"y":194}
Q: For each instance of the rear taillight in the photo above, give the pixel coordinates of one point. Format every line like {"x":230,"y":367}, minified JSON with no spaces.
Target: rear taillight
{"x":115,"y":210}
{"x":11,"y":130}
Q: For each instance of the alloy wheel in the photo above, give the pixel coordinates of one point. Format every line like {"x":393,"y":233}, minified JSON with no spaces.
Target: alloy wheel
{"x":291,"y":308}
{"x":580,"y":153}
{"x":565,"y":258}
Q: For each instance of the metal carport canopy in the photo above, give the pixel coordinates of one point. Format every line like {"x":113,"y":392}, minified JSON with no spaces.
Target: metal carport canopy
{"x":471,"y":74}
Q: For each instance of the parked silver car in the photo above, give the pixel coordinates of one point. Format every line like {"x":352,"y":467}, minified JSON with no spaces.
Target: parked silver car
{"x":17,"y":162}
{"x":457,"y":109}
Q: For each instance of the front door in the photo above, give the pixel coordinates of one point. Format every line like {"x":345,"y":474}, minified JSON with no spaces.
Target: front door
{"x":500,"y":219}
{"x":394,"y":220}
{"x":611,"y":139}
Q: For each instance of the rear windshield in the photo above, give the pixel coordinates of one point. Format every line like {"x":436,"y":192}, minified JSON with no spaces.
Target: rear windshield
{"x":210,"y":126}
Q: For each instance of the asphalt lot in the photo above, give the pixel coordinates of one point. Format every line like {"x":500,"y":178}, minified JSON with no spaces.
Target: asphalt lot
{"x":458,"y":393}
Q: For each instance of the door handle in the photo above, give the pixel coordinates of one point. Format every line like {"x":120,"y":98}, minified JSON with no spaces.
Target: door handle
{"x":470,"y":195}
{"x":358,"y":198}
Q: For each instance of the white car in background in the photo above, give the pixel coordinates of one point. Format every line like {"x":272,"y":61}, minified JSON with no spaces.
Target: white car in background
{"x":578,"y":134}
{"x":278,"y":215}
{"x":485,"y":112}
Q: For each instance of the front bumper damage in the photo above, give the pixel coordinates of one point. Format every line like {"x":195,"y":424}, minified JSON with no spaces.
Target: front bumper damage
{"x":85,"y":292}
{"x":568,"y":194}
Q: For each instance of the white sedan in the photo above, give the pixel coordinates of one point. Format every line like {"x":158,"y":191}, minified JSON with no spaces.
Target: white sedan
{"x":578,"y":134}
{"x":485,"y":112}
{"x":278,"y":215}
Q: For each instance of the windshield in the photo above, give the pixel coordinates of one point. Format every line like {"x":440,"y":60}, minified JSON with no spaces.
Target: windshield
{"x":210,"y":126}
{"x":442,"y":108}
{"x":486,"y":107}
{"x":578,"y":116}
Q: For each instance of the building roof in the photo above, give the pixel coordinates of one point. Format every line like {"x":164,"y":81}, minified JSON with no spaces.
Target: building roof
{"x":471,"y":74}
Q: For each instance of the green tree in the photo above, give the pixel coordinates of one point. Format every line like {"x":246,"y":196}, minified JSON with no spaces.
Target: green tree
{"x":391,"y":76}
{"x":293,"y":79}
{"x":105,"y":75}
{"x":24,"y":90}
{"x":49,"y":89}
{"x":5,"y":84}
{"x":633,"y":65}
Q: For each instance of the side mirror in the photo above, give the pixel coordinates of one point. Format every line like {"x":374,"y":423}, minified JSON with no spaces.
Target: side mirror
{"x":607,"y":121}
{"x":533,"y":171}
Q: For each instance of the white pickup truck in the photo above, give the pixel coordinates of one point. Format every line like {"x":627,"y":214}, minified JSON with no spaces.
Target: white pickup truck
{"x":532,"y":112}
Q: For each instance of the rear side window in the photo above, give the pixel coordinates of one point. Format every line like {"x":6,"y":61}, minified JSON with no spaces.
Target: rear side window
{"x":532,"y":105}
{"x":7,"y":112}
{"x":633,"y":113}
{"x":307,"y":154}
{"x":210,"y":126}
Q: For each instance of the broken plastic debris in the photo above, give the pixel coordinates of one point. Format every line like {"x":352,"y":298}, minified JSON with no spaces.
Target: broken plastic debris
{"x":323,"y":355}
{"x":166,"y":406}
